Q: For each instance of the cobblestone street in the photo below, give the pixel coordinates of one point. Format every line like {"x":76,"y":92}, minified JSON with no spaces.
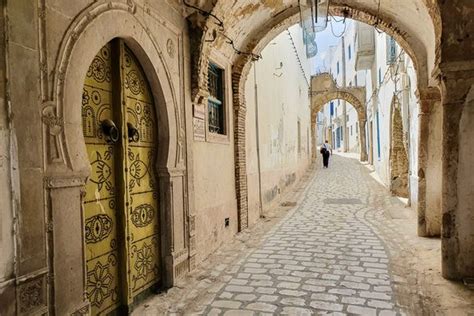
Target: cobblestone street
{"x":331,"y":254}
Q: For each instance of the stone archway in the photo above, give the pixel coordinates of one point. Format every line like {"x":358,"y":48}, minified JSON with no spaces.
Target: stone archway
{"x":323,"y":90}
{"x":399,"y":164}
{"x":254,"y":36}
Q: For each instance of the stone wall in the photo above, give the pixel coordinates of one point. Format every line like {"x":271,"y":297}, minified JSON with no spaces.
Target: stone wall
{"x":398,"y":154}
{"x":7,"y":181}
{"x":434,"y":173}
{"x":50,"y":46}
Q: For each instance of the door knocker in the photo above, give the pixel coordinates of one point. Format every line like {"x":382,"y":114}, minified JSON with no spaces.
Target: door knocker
{"x":133,"y":134}
{"x":111,"y":131}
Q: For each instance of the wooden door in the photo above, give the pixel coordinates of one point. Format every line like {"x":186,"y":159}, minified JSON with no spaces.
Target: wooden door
{"x":121,"y":202}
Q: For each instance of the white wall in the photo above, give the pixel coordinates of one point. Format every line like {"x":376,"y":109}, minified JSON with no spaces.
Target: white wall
{"x":281,"y":94}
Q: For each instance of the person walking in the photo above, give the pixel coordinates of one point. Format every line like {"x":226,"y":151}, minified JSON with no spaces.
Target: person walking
{"x":326,"y":151}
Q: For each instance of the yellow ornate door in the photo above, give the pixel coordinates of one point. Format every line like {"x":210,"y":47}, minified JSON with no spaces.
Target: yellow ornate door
{"x":120,"y":206}
{"x":141,"y":194}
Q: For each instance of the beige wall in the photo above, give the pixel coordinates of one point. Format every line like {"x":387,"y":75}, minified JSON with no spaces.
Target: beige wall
{"x":281,"y":94}
{"x":214,"y":179}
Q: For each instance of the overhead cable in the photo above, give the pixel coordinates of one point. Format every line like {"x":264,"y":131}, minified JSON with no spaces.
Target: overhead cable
{"x":298,"y":57}
{"x":220,"y":23}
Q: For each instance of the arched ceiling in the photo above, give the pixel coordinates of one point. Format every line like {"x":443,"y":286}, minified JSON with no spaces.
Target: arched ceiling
{"x":252,"y":24}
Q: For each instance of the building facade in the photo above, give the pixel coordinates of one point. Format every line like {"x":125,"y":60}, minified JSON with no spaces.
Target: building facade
{"x":369,"y":58}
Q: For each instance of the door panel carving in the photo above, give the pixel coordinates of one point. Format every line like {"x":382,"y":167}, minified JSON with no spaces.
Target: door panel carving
{"x":121,"y":228}
{"x":139,"y":176}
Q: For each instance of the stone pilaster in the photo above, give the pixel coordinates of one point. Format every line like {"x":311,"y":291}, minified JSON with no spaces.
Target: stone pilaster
{"x":457,"y":79}
{"x":427,"y":99}
{"x":363,"y":139}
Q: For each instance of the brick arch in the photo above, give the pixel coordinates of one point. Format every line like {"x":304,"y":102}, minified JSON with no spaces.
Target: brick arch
{"x":242,"y":66}
{"x":320,"y":100}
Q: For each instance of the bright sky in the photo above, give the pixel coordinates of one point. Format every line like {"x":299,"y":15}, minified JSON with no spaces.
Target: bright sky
{"x":324,"y":40}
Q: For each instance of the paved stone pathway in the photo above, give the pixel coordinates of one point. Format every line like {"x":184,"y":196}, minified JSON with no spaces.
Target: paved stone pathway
{"x":322,"y":259}
{"x":349,"y":247}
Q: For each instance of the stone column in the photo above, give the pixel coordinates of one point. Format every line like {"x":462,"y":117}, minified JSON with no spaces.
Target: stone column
{"x":427,"y":100}
{"x":457,"y":243}
{"x":363,"y":139}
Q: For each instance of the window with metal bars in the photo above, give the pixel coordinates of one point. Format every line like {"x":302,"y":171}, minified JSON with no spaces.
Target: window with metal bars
{"x":216,"y":118}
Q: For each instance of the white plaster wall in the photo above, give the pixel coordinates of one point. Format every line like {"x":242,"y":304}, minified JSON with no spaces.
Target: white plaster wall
{"x":384,"y":100}
{"x":410,"y":103}
{"x":353,"y":78}
{"x":352,"y":128}
{"x":282,"y":98}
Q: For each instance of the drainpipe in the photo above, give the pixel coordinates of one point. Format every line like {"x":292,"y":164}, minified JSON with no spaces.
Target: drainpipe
{"x":345,"y":142}
{"x":257,"y":136}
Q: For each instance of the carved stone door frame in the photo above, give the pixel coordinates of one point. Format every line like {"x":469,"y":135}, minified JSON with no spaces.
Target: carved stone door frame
{"x":68,"y":165}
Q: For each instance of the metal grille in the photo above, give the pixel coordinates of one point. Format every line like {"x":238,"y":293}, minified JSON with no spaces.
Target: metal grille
{"x":215,"y":100}
{"x":215,"y":116}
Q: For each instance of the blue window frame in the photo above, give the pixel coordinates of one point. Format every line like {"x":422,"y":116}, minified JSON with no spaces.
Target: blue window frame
{"x":391,"y":50}
{"x":378,"y":135}
{"x":332,"y":108}
{"x":338,"y":137}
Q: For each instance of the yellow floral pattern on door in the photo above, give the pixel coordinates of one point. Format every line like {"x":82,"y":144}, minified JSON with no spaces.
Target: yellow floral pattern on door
{"x":121,"y":218}
{"x":143,"y":216}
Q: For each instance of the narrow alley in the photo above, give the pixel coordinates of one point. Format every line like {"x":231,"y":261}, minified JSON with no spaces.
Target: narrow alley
{"x":348,"y":247}
{"x":164,"y":157}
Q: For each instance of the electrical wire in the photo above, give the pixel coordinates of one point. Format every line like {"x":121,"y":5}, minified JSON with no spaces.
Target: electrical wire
{"x":230,"y":41}
{"x":332,"y":28}
{"x":335,"y":20}
{"x":205,"y":13}
{"x":220,"y":23}
{"x":298,"y":57}
{"x":377,"y":91}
